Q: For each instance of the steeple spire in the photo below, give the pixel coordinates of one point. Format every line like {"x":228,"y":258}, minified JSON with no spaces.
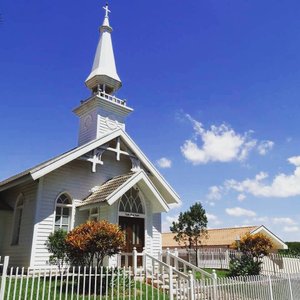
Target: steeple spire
{"x":104,"y":74}
{"x":102,"y":112}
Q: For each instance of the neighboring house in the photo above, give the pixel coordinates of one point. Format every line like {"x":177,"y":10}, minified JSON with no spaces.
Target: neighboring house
{"x":105,"y":177}
{"x":224,"y":238}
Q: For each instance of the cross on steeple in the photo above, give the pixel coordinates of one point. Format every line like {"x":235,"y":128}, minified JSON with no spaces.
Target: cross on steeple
{"x":106,"y":10}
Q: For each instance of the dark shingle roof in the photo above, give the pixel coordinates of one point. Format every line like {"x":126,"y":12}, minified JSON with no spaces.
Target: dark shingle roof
{"x":106,"y":189}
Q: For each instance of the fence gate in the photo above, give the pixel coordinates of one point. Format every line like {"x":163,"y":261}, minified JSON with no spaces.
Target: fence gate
{"x":3,"y":273}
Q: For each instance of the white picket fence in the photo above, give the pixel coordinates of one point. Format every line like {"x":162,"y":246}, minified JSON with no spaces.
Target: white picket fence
{"x":272,"y":264}
{"x":160,"y":282}
{"x":280,"y":264}
{"x":210,"y":259}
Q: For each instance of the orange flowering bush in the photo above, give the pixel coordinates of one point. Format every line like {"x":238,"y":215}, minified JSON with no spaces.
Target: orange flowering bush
{"x":255,"y":245}
{"x":90,"y":242}
{"x":252,"y":248}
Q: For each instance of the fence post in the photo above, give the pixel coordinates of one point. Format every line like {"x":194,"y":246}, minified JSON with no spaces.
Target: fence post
{"x":168,"y":257}
{"x":4,"y":275}
{"x":119,"y":259}
{"x":270,"y":286}
{"x":191,"y":286}
{"x":160,"y":255}
{"x":171,"y":284}
{"x":176,"y":260}
{"x":145,"y":261}
{"x":226,"y":259}
{"x":214,"y":278}
{"x":134,"y":258}
{"x":198,"y":258}
{"x":290,"y":286}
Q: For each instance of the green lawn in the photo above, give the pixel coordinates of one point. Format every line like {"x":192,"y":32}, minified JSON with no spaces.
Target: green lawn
{"x":50,"y":289}
{"x":220,"y":273}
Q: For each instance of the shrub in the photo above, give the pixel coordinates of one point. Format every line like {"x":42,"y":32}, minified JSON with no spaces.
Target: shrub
{"x":93,"y":241}
{"x":255,"y":245}
{"x":253,"y":248}
{"x":56,"y":245}
{"x":244,"y":266}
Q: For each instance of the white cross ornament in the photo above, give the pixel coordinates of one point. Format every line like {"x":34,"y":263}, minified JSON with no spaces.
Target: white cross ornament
{"x":106,"y":10}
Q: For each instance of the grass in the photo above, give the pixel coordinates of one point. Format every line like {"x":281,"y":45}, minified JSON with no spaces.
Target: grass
{"x":220,"y":273}
{"x":50,"y":289}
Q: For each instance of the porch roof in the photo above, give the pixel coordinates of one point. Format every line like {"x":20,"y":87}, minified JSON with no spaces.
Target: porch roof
{"x":106,"y":189}
{"x":114,"y":188}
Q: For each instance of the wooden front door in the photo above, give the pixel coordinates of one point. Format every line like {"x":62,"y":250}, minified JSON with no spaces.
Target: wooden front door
{"x":134,"y":229}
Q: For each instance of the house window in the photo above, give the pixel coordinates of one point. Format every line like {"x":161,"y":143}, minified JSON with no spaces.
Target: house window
{"x":130,"y":202}
{"x":63,"y":212}
{"x":17,"y":220}
{"x":94,"y":214}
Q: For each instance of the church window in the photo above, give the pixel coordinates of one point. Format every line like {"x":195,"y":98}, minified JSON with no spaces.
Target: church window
{"x":63,"y":212}
{"x":130,"y":202}
{"x":94,"y":214}
{"x":18,"y":219}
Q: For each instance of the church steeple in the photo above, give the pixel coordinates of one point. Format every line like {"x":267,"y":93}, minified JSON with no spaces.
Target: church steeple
{"x":104,"y":74}
{"x":102,"y":112}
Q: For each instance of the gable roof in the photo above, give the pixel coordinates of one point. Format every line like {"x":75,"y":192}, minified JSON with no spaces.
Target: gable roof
{"x":106,"y":189}
{"x":113,"y":189}
{"x":278,"y":243}
{"x":44,"y":168}
{"x":224,"y":237}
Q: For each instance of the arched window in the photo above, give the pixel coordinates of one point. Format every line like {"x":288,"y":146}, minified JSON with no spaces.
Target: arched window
{"x":17,"y":220}
{"x":130,"y":202}
{"x":63,"y":212}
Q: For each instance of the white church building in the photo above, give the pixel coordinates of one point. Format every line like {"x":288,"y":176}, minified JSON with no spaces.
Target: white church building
{"x":106,"y":177}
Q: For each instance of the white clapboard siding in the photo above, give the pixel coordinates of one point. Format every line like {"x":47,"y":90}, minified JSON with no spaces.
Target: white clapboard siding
{"x":156,"y":240}
{"x":77,"y":180}
{"x":87,"y":132}
{"x":19,"y":254}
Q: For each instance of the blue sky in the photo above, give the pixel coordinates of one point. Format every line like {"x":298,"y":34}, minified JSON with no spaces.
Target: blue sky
{"x":215,"y":86}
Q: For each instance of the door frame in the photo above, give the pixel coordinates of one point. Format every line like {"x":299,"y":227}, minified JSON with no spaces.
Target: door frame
{"x":135,"y":215}
{"x":130,"y":218}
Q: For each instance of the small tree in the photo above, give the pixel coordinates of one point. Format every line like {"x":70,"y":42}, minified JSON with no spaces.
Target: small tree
{"x":93,"y":241}
{"x":191,"y":227}
{"x":57,"y":247}
{"x":253,"y":247}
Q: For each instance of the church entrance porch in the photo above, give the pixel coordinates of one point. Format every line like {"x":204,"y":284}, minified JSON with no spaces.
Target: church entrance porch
{"x":134,"y":229}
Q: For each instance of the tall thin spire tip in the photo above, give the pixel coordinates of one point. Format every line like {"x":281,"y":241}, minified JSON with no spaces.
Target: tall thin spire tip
{"x":107,"y":11}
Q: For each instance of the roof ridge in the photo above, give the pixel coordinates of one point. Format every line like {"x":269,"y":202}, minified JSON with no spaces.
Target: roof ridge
{"x":229,"y":228}
{"x":224,"y":228}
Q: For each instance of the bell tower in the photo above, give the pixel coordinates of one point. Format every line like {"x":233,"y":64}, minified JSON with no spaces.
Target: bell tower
{"x":102,"y":112}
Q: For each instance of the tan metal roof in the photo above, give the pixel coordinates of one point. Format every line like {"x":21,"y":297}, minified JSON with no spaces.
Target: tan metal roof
{"x":215,"y":238}
{"x":106,"y":189}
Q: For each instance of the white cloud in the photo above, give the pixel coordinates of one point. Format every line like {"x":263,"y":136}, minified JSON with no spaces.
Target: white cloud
{"x":164,"y":163}
{"x":168,"y":222}
{"x":240,"y":212}
{"x":283,"y":220}
{"x":213,"y":219}
{"x":214,"y":193}
{"x":291,"y":229}
{"x":282,"y":185}
{"x":264,"y":147}
{"x":220,"y":144}
{"x":294,"y":160}
{"x":241,"y":197}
